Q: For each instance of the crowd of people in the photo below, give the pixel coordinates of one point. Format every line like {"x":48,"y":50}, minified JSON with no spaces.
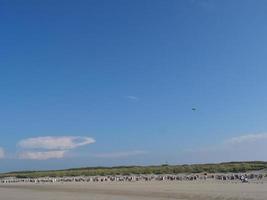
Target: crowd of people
{"x":131,"y":178}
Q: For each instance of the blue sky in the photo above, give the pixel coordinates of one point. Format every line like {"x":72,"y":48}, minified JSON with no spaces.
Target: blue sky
{"x":89,"y":83}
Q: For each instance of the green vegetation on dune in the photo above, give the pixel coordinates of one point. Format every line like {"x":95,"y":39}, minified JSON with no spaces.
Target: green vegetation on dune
{"x":233,"y":167}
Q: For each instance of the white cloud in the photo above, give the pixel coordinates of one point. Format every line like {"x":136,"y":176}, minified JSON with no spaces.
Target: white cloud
{"x":2,"y":153}
{"x":42,"y":155}
{"x":132,"y":98}
{"x":55,"y":143}
{"x":247,"y":138}
{"x":51,"y":147}
{"x":120,"y":154}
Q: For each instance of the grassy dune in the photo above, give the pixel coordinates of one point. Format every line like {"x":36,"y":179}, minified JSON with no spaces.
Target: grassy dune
{"x":162,"y":169}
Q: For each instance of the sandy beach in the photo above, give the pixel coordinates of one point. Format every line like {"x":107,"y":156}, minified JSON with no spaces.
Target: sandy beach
{"x":136,"y":191}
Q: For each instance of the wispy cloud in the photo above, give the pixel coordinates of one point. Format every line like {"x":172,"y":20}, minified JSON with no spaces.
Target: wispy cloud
{"x":243,"y":147}
{"x":49,"y":147}
{"x":247,"y":138}
{"x":132,"y":98}
{"x":2,"y":153}
{"x":45,"y":155}
{"x":120,"y":154}
{"x":204,"y":4}
{"x":48,"y":142}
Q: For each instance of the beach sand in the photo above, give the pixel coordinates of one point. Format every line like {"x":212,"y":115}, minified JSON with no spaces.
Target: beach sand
{"x":135,"y":191}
